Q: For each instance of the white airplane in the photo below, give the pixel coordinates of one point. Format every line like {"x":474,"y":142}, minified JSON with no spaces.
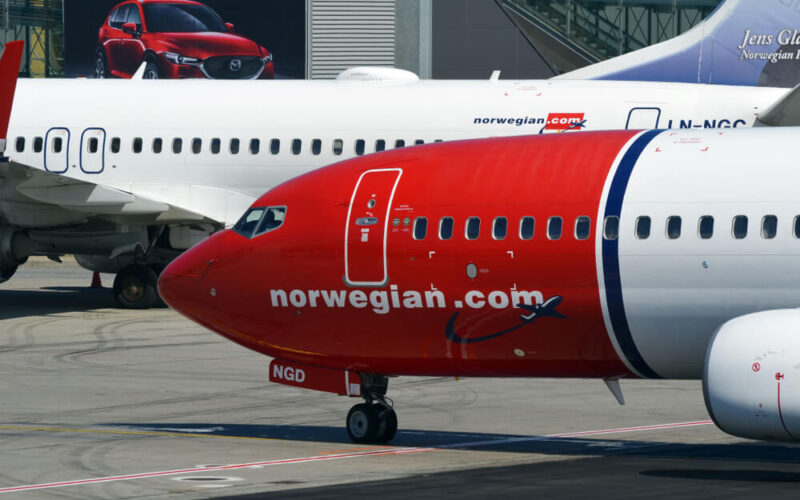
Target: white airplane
{"x":126,"y":174}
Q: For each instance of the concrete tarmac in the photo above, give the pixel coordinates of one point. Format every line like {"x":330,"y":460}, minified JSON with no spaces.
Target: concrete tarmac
{"x":104,"y":403}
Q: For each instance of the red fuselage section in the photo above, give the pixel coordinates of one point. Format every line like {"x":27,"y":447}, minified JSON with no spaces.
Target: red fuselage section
{"x":440,"y":260}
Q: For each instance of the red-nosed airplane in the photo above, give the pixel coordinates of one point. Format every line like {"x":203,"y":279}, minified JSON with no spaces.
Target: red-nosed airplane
{"x":658,"y":254}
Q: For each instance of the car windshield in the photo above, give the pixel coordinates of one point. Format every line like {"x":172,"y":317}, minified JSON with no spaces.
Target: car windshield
{"x":181,"y":18}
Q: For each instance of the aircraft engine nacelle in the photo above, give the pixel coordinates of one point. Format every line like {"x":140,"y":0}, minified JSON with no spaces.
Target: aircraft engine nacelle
{"x":751,"y":380}
{"x":13,"y":251}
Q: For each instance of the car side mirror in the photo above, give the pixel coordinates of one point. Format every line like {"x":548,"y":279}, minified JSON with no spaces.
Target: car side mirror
{"x":130,"y":28}
{"x":230,"y":27}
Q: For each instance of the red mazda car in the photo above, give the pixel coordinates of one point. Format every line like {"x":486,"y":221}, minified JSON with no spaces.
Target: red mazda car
{"x":177,"y":39}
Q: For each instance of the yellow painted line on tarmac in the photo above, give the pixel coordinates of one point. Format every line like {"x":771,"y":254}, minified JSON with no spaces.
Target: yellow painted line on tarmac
{"x":132,"y":433}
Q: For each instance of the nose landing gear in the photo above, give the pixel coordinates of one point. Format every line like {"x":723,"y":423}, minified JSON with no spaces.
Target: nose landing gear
{"x":374,"y":421}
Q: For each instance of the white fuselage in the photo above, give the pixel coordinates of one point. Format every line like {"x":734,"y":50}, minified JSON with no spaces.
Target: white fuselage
{"x":737,"y":249}
{"x":316,"y":123}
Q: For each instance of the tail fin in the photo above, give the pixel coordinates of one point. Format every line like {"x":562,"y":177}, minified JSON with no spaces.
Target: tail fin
{"x":9,"y":72}
{"x":743,"y":42}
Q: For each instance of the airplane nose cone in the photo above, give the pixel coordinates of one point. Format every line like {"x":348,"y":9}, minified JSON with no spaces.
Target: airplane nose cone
{"x":180,"y":284}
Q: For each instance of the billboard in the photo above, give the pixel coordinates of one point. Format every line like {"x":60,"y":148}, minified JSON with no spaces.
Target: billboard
{"x":181,"y":40}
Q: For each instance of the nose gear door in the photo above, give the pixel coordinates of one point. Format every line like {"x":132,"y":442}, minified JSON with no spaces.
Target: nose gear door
{"x":367,"y":225}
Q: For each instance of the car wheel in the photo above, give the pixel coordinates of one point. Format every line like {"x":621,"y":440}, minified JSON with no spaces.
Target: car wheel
{"x":151,"y":70}
{"x":101,"y":65}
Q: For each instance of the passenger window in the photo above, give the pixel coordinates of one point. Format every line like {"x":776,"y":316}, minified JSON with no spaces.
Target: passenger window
{"x":197,"y":145}
{"x":38,"y":144}
{"x":234,"y":146}
{"x":499,"y":228}
{"x":583,"y":227}
{"x":740,"y":227}
{"x":58,"y":144}
{"x":158,"y":145}
{"x":769,"y":227}
{"x":399,"y":143}
{"x":316,"y":146}
{"x":674,"y":227}
{"x":419,"y":141}
{"x":706,"y":227}
{"x":255,"y":146}
{"x":216,"y":146}
{"x":380,"y":145}
{"x":338,"y":147}
{"x":643,"y":227}
{"x":20,"y":144}
{"x":273,"y":219}
{"x":297,"y":146}
{"x":93,"y":145}
{"x":115,"y":145}
{"x":797,"y":227}
{"x":473,"y":228}
{"x":177,"y":146}
{"x":420,"y":228}
{"x":526,"y":228}
{"x":555,"y":226}
{"x":611,"y":228}
{"x":137,"y":145}
{"x":439,"y":140}
{"x":275,"y":146}
{"x":360,"y":145}
{"x":445,"y":228}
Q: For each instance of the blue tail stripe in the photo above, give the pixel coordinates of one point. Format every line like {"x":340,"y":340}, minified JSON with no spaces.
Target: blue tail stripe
{"x":611,"y":272}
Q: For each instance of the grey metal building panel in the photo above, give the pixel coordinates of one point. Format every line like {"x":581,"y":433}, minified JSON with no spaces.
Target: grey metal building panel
{"x":347,"y":33}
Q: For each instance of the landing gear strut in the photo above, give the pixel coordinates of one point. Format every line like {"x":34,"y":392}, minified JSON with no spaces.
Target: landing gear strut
{"x":374,"y":421}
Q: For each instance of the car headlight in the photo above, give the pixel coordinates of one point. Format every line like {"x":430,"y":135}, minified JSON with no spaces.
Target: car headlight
{"x":180,"y":59}
{"x":268,"y":59}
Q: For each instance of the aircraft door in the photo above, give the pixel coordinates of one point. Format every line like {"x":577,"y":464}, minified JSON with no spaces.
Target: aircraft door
{"x":367,"y":225}
{"x":93,"y":149}
{"x":643,"y":119}
{"x":56,"y":152}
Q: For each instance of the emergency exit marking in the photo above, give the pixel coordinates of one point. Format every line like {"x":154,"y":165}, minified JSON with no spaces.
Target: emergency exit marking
{"x":756,"y":367}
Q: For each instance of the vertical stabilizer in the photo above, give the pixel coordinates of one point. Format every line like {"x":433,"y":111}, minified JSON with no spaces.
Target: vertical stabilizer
{"x":9,"y":72}
{"x":743,"y":42}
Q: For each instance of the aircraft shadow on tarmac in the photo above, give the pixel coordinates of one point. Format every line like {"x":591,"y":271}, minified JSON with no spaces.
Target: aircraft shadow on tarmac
{"x":53,"y":300}
{"x":562,"y":446}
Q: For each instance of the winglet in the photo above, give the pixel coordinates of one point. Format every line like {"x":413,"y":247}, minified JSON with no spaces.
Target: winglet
{"x":9,"y":72}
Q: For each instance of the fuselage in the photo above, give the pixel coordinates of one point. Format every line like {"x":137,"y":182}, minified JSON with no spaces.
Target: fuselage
{"x":602,"y":255}
{"x":237,"y":139}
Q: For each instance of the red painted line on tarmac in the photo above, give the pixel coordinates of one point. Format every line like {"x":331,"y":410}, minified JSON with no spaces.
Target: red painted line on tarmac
{"x":634,"y":429}
{"x":319,"y":458}
{"x":145,"y":475}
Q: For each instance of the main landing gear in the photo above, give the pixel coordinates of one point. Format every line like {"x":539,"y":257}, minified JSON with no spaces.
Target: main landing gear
{"x":373,"y":421}
{"x":136,"y":287}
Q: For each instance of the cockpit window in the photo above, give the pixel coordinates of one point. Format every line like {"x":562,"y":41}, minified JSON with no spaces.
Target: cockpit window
{"x":273,"y":219}
{"x":260,"y":220}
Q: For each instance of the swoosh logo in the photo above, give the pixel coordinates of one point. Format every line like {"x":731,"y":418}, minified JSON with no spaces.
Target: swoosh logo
{"x":545,"y":309}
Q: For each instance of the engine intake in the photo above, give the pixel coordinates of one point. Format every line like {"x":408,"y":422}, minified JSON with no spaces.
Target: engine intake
{"x":751,"y":380}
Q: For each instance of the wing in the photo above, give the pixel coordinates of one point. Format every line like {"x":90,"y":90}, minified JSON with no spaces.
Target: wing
{"x":33,"y":198}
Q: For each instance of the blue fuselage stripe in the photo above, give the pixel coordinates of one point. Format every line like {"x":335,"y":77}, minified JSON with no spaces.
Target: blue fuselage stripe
{"x":611,"y":272}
